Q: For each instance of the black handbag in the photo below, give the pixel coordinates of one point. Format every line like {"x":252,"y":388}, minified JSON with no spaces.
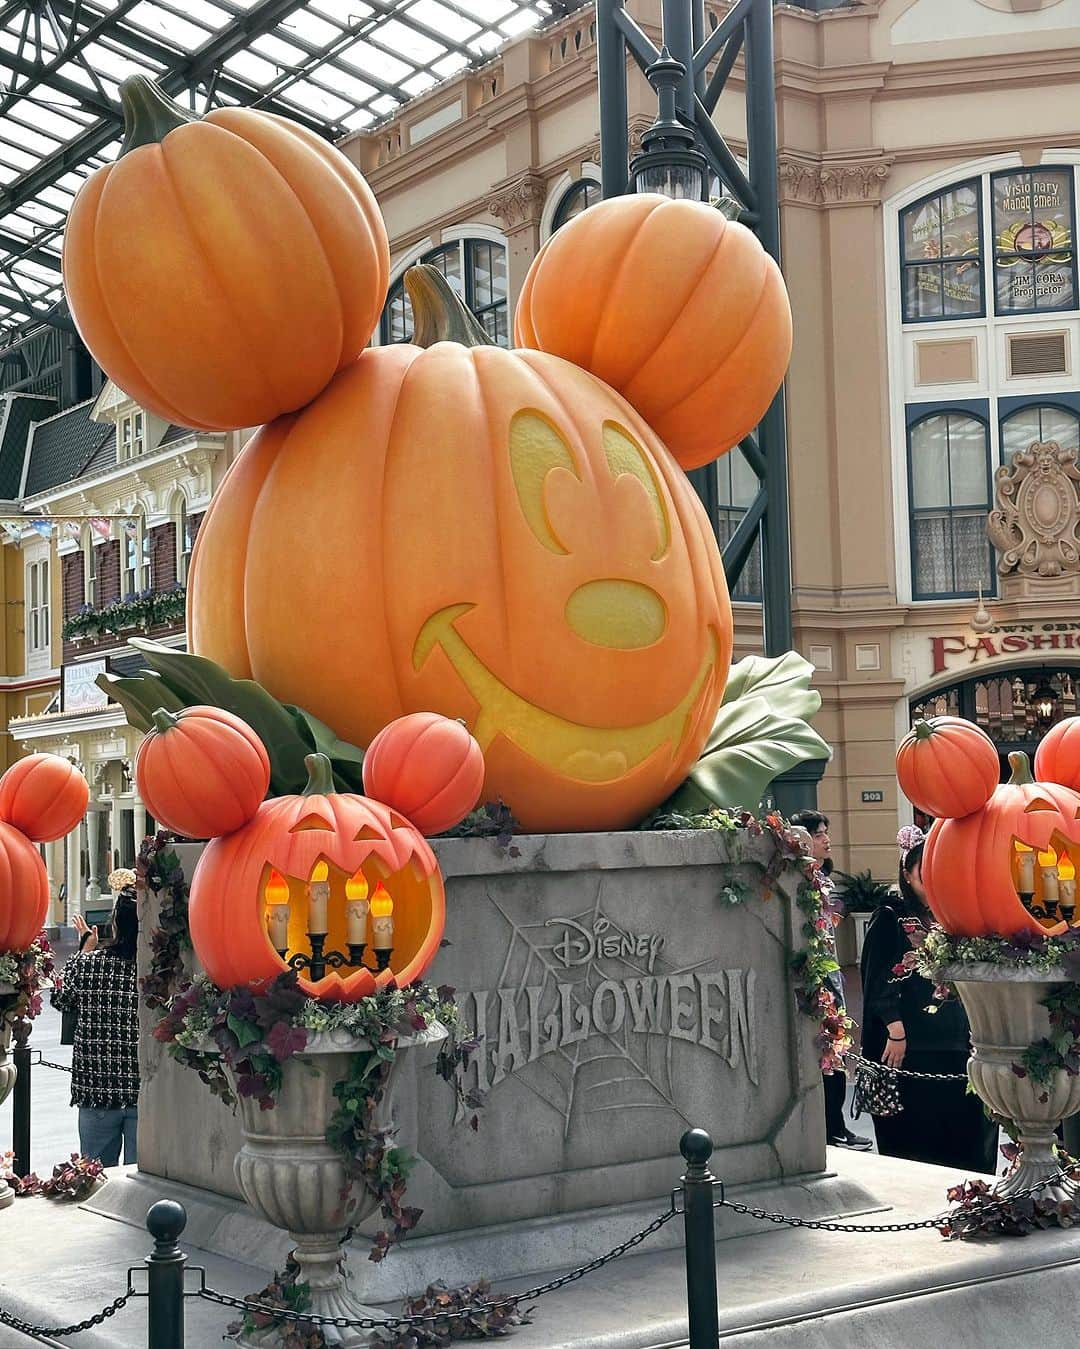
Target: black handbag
{"x":876,"y":1090}
{"x":67,"y":1026}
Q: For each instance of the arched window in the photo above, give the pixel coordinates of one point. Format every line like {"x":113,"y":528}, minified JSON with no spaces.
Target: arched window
{"x":136,"y":556}
{"x":476,"y":268}
{"x":1034,"y":258}
{"x":578,"y":197}
{"x":949,"y":471}
{"x":1040,"y":422}
{"x":941,"y":255}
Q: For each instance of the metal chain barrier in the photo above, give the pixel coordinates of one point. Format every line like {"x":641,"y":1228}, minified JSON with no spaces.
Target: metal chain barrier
{"x":857,"y":1059}
{"x":60,"y":1332}
{"x":821,"y":1225}
{"x":409,"y":1322}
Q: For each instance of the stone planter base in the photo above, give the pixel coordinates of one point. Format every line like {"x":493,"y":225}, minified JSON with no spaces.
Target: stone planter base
{"x":1004,"y":1007}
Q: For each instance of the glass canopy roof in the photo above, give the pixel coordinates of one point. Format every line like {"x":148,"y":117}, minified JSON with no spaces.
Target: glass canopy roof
{"x":335,"y":65}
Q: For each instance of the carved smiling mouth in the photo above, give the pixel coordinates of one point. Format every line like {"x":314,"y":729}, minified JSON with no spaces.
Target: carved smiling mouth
{"x":584,"y":753}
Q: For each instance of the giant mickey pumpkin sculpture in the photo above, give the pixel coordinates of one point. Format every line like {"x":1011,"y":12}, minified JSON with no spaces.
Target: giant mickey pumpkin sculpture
{"x":997,"y":858}
{"x":297,"y":875}
{"x":503,"y":539}
{"x":42,"y":798}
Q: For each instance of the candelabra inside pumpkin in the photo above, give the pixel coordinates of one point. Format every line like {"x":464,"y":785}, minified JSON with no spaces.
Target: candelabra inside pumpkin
{"x":1045,"y":880}
{"x":320,"y":919}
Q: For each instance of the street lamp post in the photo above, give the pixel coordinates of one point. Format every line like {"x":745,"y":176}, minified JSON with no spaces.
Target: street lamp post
{"x":670,"y":162}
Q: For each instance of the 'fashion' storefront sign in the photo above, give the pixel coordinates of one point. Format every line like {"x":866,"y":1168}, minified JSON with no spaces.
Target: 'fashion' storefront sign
{"x":1016,"y":639}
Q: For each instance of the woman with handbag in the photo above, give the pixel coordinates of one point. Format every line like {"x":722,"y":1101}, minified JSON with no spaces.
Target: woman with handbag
{"x":921,"y":1120}
{"x":99,"y":985}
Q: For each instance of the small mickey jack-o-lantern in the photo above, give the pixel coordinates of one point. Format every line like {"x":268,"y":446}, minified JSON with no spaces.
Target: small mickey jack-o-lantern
{"x":1008,"y":866}
{"x":342,"y":888}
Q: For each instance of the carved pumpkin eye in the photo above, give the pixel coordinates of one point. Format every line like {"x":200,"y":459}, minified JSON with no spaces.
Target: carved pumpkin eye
{"x":1038,"y":804}
{"x":311,"y":822}
{"x":368,"y":832}
{"x":625,"y":455}
{"x":535,"y":449}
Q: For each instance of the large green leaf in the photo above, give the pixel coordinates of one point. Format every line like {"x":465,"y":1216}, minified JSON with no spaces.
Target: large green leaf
{"x":347,"y":760}
{"x":750,"y":745}
{"x":140,"y":696}
{"x":783,"y":680}
{"x":178,"y":679}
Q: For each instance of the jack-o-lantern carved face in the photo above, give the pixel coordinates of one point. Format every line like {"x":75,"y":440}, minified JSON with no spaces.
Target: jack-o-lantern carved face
{"x":501,"y":539}
{"x":348,"y":843}
{"x":1025,"y":841}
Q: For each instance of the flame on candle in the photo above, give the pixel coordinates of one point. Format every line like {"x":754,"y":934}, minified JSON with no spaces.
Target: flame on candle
{"x":1066,"y":868}
{"x":277,"y":888}
{"x":382,"y":906}
{"x":1048,"y":858}
{"x":356,"y":887}
{"x":320,"y":871}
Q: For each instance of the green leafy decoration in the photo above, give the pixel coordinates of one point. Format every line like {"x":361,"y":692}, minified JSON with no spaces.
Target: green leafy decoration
{"x":178,"y":679}
{"x":783,"y":680}
{"x":750,"y":745}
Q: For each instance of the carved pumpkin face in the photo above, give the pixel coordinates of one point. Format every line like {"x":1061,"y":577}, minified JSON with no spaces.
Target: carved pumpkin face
{"x":502,"y":540}
{"x":973,"y":866}
{"x":336,"y":834}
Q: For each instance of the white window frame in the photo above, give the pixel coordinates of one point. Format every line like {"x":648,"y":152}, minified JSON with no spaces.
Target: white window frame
{"x":182,"y":520}
{"x":141,"y":573}
{"x":38,"y":608}
{"x":90,"y":568}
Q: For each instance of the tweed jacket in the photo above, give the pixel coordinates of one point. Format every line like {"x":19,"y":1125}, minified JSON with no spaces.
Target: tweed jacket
{"x":102,"y":990}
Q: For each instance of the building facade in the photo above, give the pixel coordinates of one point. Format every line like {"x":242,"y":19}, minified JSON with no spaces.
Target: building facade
{"x":106,"y":501}
{"x":928,"y":160}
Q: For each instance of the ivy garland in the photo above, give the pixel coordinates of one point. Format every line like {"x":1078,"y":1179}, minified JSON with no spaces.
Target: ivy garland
{"x":158,"y":869}
{"x":22,"y":976}
{"x":816,"y":963}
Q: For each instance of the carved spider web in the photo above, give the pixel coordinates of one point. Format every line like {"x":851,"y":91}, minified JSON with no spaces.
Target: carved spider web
{"x":639,"y":1077}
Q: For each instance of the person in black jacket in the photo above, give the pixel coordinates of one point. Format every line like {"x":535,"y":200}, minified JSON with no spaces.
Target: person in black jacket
{"x":904,"y":1028}
{"x":99,"y":984}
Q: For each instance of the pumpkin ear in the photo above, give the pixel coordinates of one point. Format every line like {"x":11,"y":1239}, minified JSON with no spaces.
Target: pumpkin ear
{"x":202,"y":772}
{"x":44,"y":796}
{"x":1058,"y":757}
{"x":947,"y":767}
{"x":428,"y":768}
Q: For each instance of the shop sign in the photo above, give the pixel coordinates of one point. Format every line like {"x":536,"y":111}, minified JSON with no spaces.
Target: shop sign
{"x":80,"y":691}
{"x":1009,"y":640}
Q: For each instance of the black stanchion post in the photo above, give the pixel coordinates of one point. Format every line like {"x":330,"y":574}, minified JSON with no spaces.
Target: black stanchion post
{"x":165,"y":1310}
{"x":697,"y":1186}
{"x":20,"y":1097}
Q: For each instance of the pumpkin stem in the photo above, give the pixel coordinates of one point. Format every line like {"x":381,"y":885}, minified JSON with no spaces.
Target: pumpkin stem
{"x":149,"y":113}
{"x":164,"y":720}
{"x":1021,"y":770}
{"x":438,"y":314}
{"x":320,"y":776}
{"x":923,"y":730}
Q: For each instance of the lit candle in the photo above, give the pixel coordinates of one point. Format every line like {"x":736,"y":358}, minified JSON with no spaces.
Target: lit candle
{"x":1067,"y":878}
{"x":1026,"y":869}
{"x":1048,"y":867}
{"x":356,"y":909}
{"x":382,"y":922}
{"x":276,"y":896}
{"x":318,"y":898}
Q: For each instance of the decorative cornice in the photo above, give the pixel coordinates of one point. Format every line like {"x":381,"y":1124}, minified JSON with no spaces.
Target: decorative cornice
{"x":836,"y":182}
{"x":519,"y":202}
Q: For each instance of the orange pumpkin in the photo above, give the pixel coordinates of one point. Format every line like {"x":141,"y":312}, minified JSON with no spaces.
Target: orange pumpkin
{"x":501,"y":539}
{"x":202,"y":771}
{"x":222,"y":270}
{"x":426,"y":766}
{"x":24,"y":890}
{"x":44,"y":796}
{"x":947,"y":766}
{"x":1057,"y":758}
{"x":675,"y":306}
{"x":292,"y":835}
{"x":971,"y":865}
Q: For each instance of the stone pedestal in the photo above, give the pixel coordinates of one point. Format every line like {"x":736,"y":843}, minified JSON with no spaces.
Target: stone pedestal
{"x":622,"y":997}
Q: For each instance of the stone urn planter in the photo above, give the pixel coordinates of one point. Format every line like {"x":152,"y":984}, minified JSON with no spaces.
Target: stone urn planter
{"x":291,"y":1176}
{"x":7,"y":1081}
{"x":1004,"y":1008}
